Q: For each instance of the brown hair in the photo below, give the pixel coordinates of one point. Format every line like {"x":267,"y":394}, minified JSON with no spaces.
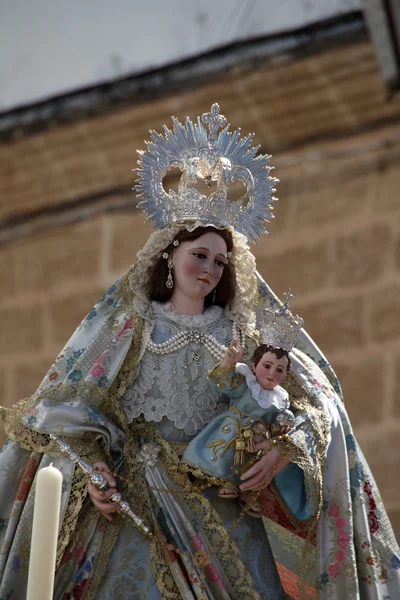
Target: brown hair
{"x":225,"y":289}
{"x":263,"y":348}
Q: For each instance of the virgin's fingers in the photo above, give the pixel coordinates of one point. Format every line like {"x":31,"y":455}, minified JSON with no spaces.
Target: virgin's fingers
{"x":255,"y":482}
{"x":252,"y":471}
{"x":101,"y":502}
{"x":98,"y":495}
{"x":103,"y":470}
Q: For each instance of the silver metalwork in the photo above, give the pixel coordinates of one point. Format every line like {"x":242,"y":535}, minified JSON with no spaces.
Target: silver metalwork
{"x":221,"y":157}
{"x":284,"y":418}
{"x":148,"y":454}
{"x":279,"y":328}
{"x":101,"y":484}
{"x":170,"y":281}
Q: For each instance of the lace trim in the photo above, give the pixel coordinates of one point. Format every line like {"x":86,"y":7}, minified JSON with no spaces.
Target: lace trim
{"x":90,"y":447}
{"x":169,"y":312}
{"x":134,"y":354}
{"x":226,"y":376}
{"x":174,"y":384}
{"x":225,"y":548}
{"x":111,"y":530}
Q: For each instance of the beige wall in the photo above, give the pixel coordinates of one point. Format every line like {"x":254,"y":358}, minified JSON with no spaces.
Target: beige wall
{"x":335,"y":240}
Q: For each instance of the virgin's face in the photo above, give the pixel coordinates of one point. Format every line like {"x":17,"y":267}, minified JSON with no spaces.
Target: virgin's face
{"x":270,"y":370}
{"x":198,"y":265}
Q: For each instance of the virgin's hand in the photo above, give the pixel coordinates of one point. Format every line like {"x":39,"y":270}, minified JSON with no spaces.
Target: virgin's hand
{"x":262,"y":473}
{"x":99,"y":498}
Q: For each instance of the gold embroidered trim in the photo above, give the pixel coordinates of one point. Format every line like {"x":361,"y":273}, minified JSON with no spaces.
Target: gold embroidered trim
{"x":222,"y":377}
{"x":212,"y":525}
{"x":126,"y":371}
{"x":109,"y":538}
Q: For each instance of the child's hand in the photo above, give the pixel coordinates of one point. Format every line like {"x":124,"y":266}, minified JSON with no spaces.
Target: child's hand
{"x":232,"y":355}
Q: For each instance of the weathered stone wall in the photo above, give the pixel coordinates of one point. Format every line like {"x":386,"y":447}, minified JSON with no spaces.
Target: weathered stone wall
{"x":335,"y":240}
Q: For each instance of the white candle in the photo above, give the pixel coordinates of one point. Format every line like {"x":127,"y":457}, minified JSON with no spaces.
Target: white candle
{"x":46,"y":515}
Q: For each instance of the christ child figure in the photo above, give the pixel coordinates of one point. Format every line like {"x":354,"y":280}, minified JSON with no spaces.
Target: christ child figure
{"x":259,"y":406}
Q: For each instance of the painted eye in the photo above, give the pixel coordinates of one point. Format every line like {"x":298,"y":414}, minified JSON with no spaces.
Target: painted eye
{"x":199,"y":255}
{"x":220,"y":263}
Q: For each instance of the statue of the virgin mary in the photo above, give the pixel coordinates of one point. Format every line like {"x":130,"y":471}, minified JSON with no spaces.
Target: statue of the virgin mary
{"x":130,"y":390}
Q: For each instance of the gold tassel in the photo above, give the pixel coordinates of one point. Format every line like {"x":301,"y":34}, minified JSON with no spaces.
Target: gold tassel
{"x":248,"y":437}
{"x":239,"y":454}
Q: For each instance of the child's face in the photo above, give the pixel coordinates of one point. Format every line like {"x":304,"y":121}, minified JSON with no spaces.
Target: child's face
{"x":270,"y":370}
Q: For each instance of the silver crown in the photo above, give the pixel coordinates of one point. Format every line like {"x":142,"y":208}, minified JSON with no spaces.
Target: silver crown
{"x":221,"y":157}
{"x":279,"y":328}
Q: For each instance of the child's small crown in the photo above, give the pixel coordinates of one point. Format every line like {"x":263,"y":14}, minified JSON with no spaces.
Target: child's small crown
{"x":279,"y":328}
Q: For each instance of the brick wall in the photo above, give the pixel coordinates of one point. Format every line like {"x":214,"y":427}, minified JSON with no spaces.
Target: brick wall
{"x":335,"y":240}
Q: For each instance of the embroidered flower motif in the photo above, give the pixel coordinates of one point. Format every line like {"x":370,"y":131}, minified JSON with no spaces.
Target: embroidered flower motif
{"x":333,"y":511}
{"x":203,"y":558}
{"x":334,"y":570}
{"x":383,"y":576}
{"x":340,"y":522}
{"x":214,"y":575}
{"x":53,"y":376}
{"x":127,"y":586}
{"x":373,"y":522}
{"x":342,"y":539}
{"x":395,"y":562}
{"x":339,"y":556}
{"x":92,"y":314}
{"x":127,"y":326}
{"x":71,"y":360}
{"x":367,"y":488}
{"x":154,"y":409}
{"x":322,"y":363}
{"x":103,"y":381}
{"x":75,"y":376}
{"x":97,"y":370}
{"x":78,"y":590}
{"x":350,"y":442}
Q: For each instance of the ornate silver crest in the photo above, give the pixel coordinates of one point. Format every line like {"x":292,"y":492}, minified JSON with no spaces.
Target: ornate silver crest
{"x":222,"y":158}
{"x":148,"y":454}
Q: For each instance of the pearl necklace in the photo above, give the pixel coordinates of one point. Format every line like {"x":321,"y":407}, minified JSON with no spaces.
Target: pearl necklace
{"x":178,"y":341}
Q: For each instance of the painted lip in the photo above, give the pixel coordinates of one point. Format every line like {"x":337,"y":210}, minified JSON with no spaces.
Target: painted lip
{"x":204,"y":280}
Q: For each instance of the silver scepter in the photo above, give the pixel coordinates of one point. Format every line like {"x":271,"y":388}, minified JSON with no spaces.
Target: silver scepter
{"x":100,"y":483}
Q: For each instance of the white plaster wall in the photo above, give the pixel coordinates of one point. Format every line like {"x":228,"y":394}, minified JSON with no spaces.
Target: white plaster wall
{"x":50,"y":47}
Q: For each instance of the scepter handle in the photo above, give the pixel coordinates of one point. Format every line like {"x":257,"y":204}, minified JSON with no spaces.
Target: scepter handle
{"x":100,"y":482}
